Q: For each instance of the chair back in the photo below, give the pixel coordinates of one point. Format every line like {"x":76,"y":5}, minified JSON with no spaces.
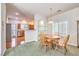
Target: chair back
{"x":66,"y":39}
{"x":42,"y":38}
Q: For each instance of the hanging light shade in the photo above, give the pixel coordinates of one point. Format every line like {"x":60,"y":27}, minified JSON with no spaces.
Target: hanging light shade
{"x":50,"y":20}
{"x":23,"y":21}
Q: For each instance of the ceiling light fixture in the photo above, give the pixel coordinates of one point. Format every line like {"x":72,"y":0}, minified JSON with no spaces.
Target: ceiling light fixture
{"x":50,"y":20}
{"x":17,"y":13}
{"x":51,"y":12}
{"x":23,"y":21}
{"x":31,"y":23}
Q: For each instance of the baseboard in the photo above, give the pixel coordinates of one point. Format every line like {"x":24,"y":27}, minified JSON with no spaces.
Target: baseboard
{"x":72,"y":44}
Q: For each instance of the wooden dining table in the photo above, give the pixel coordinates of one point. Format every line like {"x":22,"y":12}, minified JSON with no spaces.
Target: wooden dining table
{"x":52,"y":40}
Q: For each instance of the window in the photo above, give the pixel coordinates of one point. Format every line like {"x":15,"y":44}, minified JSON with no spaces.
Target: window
{"x":55,"y":28}
{"x":42,"y":26}
{"x":60,"y":27}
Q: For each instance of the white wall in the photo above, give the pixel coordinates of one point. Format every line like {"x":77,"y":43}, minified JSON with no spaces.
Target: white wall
{"x":0,"y":28}
{"x":32,"y":35}
{"x":37,"y":18}
{"x":3,"y":28}
{"x":40,"y":18}
{"x":72,"y":17}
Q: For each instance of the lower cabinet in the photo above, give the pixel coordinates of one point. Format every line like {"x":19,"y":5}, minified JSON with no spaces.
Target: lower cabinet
{"x":8,"y":44}
{"x":30,"y":36}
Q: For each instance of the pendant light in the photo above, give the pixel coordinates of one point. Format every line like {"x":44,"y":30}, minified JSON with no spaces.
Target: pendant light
{"x":50,"y":20}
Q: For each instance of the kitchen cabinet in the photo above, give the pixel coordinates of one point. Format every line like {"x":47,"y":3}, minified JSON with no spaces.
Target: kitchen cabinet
{"x":30,"y":36}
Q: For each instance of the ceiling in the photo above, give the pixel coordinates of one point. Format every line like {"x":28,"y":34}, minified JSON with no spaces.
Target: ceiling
{"x":44,"y":8}
{"x":28,"y":10}
{"x":13,"y":13}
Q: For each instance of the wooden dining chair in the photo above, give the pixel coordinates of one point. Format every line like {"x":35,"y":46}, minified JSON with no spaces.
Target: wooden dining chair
{"x":45,"y":42}
{"x":64,"y":44}
{"x":42,"y":39}
{"x":49,"y":43}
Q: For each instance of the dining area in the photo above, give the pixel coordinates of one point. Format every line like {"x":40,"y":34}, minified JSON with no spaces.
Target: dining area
{"x":54,"y":42}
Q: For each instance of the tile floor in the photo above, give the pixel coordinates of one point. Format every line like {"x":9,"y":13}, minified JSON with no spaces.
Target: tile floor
{"x":33,"y":49}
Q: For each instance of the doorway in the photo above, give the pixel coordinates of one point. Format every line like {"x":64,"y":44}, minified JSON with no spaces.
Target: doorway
{"x":78,"y":34}
{"x":14,"y":35}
